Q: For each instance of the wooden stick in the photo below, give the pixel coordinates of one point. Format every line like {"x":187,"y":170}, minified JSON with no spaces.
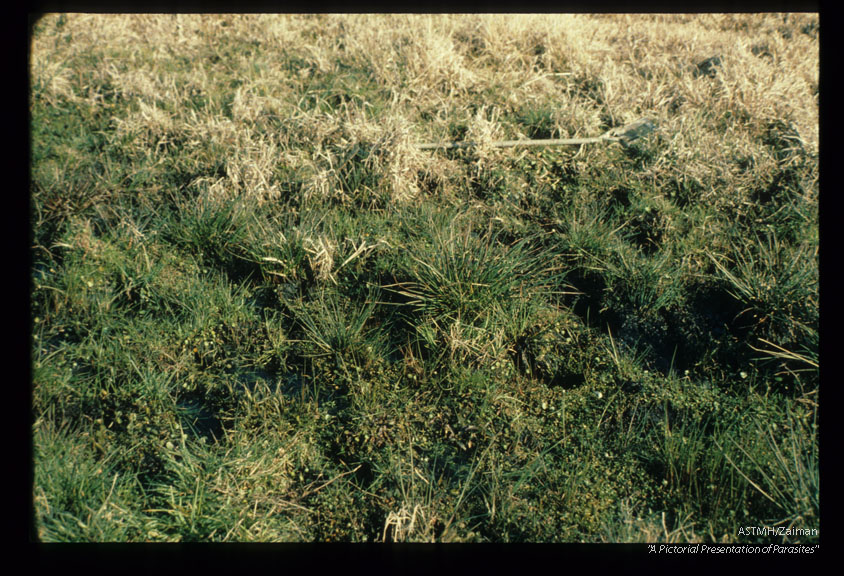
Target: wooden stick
{"x":624,"y":135}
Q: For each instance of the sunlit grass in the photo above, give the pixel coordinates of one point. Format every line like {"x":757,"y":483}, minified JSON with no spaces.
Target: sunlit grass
{"x":261,"y":313}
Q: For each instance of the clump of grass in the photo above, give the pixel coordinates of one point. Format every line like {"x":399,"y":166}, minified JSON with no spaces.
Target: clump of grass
{"x":464,"y":286}
{"x":338,"y":329}
{"x":78,"y":496}
{"x":460,"y":273}
{"x":210,"y":229}
{"x":777,"y":286}
{"x":783,"y":470}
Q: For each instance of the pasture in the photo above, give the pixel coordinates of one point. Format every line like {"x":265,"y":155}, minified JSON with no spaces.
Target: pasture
{"x":261,"y":312}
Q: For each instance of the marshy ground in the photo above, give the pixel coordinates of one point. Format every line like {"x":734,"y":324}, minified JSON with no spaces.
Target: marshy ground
{"x":261,"y":313}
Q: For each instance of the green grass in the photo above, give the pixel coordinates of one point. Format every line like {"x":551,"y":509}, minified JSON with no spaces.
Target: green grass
{"x":259,"y":313}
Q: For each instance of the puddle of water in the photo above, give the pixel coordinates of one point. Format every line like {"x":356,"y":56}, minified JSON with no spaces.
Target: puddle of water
{"x":200,"y":421}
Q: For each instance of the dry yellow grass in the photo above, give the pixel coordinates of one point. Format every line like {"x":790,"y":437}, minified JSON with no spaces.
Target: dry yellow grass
{"x":591,"y":69}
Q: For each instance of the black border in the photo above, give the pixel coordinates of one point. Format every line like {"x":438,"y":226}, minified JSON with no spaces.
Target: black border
{"x":400,"y":558}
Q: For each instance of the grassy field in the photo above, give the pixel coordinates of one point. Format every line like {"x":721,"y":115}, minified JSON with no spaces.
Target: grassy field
{"x":261,"y":313}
